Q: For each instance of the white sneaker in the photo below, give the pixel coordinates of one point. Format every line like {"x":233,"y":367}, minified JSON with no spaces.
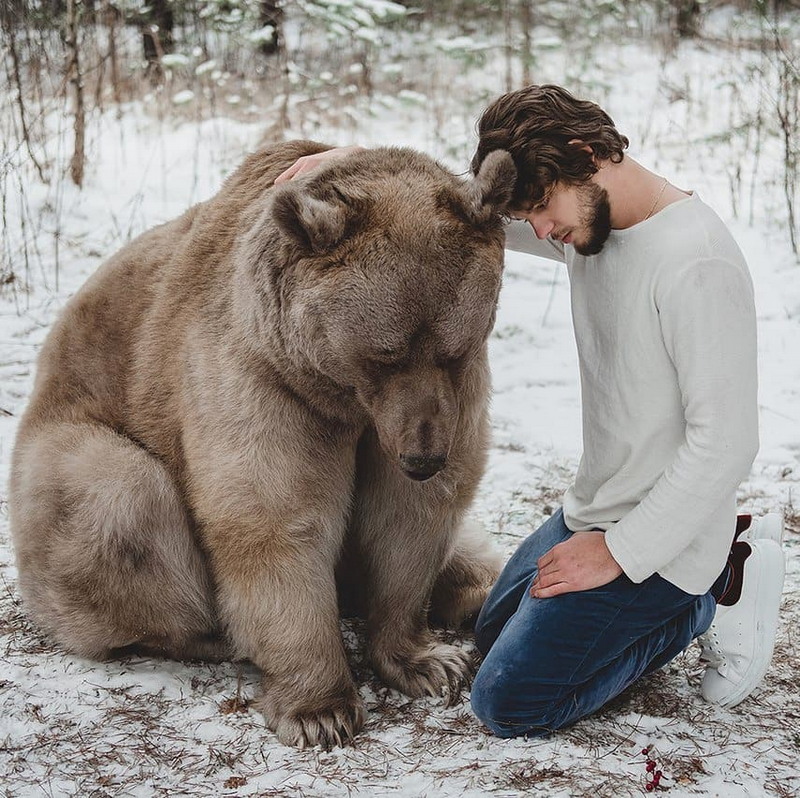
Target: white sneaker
{"x":765,"y":527}
{"x":739,"y":643}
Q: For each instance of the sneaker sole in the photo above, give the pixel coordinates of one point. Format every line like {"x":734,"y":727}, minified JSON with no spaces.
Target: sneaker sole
{"x":769,"y":595}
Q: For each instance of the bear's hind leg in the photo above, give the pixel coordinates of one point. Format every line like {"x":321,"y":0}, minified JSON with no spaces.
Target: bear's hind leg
{"x":208,"y":648}
{"x":468,"y":575}
{"x":104,"y":546}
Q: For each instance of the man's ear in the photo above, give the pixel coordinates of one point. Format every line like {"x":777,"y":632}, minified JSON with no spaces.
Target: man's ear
{"x":492,"y":188}
{"x":580,"y":143}
{"x":314,"y":225}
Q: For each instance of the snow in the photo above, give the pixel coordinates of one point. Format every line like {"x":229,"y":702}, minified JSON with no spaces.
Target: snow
{"x":142,"y":727}
{"x":183,"y":97}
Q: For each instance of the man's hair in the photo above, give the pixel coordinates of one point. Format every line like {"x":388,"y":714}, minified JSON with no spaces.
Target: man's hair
{"x":535,"y":125}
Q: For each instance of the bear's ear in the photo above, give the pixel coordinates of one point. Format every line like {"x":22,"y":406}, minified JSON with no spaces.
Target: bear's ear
{"x":315,"y":225}
{"x":492,"y":188}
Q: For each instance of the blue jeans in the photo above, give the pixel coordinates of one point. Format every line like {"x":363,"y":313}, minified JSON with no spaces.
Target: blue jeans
{"x":549,"y":662}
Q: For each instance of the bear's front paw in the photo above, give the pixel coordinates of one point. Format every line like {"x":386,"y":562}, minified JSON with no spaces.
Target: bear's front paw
{"x":333,"y":724}
{"x":436,"y":669}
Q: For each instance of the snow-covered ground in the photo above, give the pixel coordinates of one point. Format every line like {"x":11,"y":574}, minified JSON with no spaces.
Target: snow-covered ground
{"x":142,"y":727}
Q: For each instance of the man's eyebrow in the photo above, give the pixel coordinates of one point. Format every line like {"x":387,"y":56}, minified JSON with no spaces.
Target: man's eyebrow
{"x":544,"y":199}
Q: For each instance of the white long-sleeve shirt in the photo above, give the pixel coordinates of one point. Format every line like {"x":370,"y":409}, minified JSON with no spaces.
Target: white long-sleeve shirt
{"x":665,"y":327}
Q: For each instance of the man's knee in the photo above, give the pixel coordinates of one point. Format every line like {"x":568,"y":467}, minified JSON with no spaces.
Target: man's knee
{"x":488,"y":707}
{"x":497,"y":703}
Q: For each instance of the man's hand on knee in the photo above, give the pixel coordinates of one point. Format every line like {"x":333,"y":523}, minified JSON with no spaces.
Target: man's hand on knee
{"x":580,"y":563}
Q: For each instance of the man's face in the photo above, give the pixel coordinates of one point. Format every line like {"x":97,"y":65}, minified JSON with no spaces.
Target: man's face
{"x":573,"y":214}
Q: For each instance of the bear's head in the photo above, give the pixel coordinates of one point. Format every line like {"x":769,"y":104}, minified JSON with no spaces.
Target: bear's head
{"x":390,"y":274}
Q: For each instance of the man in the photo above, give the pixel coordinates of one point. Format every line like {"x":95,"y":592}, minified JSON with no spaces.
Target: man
{"x":631,"y":570}
{"x":641,"y":559}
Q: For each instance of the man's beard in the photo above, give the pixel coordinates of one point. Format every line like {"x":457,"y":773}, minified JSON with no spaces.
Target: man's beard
{"x":595,"y":214}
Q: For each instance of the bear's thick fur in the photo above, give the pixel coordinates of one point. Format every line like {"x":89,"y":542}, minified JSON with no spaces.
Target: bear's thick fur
{"x":282,"y":389}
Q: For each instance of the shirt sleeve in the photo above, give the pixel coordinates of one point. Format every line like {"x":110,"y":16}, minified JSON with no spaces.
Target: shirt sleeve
{"x":707,"y":317}
{"x":521,"y":238}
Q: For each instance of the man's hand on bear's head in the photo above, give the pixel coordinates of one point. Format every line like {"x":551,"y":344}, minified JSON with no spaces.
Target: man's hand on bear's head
{"x":308,"y":163}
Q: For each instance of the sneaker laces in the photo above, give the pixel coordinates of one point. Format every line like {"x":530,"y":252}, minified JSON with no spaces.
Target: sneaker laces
{"x":710,"y":649}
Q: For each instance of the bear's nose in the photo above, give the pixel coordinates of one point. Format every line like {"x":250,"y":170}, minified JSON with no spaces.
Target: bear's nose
{"x":422,"y":467}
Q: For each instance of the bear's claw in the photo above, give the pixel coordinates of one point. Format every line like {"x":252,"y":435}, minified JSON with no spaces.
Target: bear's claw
{"x":333,"y":726}
{"x":436,"y":670}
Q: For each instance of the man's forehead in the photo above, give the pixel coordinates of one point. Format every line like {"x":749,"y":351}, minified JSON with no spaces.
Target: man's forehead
{"x":539,"y":196}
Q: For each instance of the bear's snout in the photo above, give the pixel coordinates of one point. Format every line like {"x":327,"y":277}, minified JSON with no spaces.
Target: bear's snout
{"x":416,"y":415}
{"x":422,"y":467}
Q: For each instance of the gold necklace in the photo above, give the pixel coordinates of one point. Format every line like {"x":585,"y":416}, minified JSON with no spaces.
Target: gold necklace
{"x":660,"y":194}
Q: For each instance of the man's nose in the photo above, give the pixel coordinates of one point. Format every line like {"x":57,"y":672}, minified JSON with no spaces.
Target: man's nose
{"x":542,"y":227}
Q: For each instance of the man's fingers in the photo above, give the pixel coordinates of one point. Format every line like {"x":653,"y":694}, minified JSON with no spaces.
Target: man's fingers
{"x":547,"y":579}
{"x":289,"y":173}
{"x":307,"y":163}
{"x":544,"y":561}
{"x":554,"y":590}
{"x":547,"y":571}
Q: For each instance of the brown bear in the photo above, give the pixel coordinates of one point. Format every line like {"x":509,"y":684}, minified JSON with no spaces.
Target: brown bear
{"x":281,"y":391}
